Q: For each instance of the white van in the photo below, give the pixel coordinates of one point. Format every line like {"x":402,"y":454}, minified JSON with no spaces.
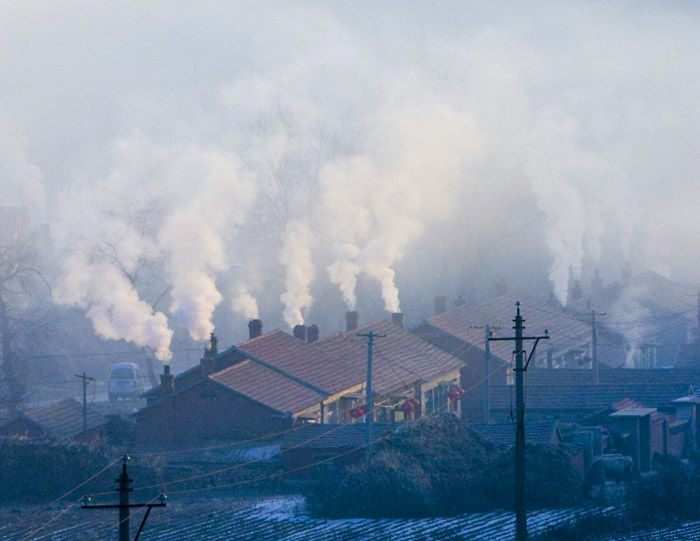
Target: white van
{"x":125,"y":381}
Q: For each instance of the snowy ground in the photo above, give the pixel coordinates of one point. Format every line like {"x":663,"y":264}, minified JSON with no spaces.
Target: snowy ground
{"x":270,"y":518}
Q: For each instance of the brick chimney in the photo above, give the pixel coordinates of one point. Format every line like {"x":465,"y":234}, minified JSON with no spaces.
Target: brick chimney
{"x":312,"y":333}
{"x":255,"y":328}
{"x":207,"y":363}
{"x":440,"y":305}
{"x":397,"y":319}
{"x":300,"y":332}
{"x":167,"y":382}
{"x":352,"y":321}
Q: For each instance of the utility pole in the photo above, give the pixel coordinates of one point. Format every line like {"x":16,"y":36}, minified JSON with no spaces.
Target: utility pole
{"x":124,"y":506}
{"x":594,"y":342}
{"x":520,"y":367}
{"x":370,"y":399}
{"x":488,"y":333}
{"x":86,"y":380}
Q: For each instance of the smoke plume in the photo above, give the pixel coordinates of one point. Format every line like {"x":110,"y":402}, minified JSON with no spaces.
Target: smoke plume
{"x":296,"y":258}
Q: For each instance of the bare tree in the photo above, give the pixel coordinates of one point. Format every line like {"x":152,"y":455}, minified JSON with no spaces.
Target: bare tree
{"x":23,"y":291}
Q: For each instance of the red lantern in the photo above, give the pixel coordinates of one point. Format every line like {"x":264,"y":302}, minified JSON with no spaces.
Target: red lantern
{"x":354,"y":413}
{"x":363,"y":410}
{"x":408,"y":406}
{"x":455,"y":393}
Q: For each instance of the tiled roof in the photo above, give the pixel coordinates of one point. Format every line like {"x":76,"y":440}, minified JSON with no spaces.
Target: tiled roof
{"x":267,"y":387}
{"x":399,"y":359}
{"x":566,"y":331}
{"x":311,"y":364}
{"x":652,"y":290}
{"x":349,"y":436}
{"x":65,"y":418}
{"x":626,"y":376}
{"x":586,"y":397}
{"x":504,"y":433}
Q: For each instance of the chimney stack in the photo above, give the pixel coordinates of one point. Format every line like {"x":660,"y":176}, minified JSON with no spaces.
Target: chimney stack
{"x":167,"y":382}
{"x":352,"y":321}
{"x":397,"y":319}
{"x":312,"y":333}
{"x":596,"y":283}
{"x":300,"y":332}
{"x":575,"y":293}
{"x":255,"y":328}
{"x":440,"y":305}
{"x":460,"y":301}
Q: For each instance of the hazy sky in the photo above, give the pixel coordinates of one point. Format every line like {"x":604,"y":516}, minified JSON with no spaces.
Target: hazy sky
{"x":416,"y":148}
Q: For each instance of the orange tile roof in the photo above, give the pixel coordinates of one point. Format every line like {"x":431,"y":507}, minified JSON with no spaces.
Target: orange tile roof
{"x":268,"y":387}
{"x":399,"y":360}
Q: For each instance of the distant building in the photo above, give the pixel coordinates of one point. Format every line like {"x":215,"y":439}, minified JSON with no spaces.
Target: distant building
{"x":63,"y":419}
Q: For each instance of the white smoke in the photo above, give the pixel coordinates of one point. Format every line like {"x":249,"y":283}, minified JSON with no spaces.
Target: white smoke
{"x":632,"y":320}
{"x":244,"y":303}
{"x":296,"y":258}
{"x":552,"y":166}
{"x":113,"y":305}
{"x":200,"y":198}
{"x":345,"y":218}
{"x":376,"y":204}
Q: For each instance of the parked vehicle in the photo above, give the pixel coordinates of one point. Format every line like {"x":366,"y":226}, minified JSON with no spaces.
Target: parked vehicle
{"x":125,"y":381}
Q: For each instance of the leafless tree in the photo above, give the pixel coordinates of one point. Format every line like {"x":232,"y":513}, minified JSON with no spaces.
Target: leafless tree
{"x":23,"y":292}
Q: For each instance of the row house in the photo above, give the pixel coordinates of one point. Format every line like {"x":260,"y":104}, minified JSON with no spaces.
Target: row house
{"x":462,"y":332}
{"x":274,"y":381}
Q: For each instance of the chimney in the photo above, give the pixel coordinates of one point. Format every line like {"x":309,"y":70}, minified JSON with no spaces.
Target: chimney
{"x":352,"y":321}
{"x":575,"y":293}
{"x":501,"y":287}
{"x":397,"y":319}
{"x":460,"y":301}
{"x":596,"y":283}
{"x":167,"y":382}
{"x":255,"y":328}
{"x":312,"y":333}
{"x":300,"y":332}
{"x":440,"y":305}
{"x":213,"y":349}
{"x":208,"y":361}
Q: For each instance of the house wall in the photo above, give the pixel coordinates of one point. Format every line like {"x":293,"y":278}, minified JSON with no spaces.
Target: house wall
{"x":206,"y":411}
{"x":678,"y":435}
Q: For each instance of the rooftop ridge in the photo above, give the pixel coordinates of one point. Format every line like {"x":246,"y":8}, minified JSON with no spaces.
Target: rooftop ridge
{"x":235,"y":349}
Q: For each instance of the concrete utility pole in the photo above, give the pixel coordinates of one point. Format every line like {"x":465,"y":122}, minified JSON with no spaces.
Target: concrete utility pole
{"x":594,"y":342}
{"x":124,"y":505}
{"x":370,"y":399}
{"x":488,"y":333}
{"x":520,"y":367}
{"x":86,"y":380}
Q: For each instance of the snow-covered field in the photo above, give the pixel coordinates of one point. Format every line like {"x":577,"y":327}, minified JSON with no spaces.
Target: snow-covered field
{"x":271,"y":518}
